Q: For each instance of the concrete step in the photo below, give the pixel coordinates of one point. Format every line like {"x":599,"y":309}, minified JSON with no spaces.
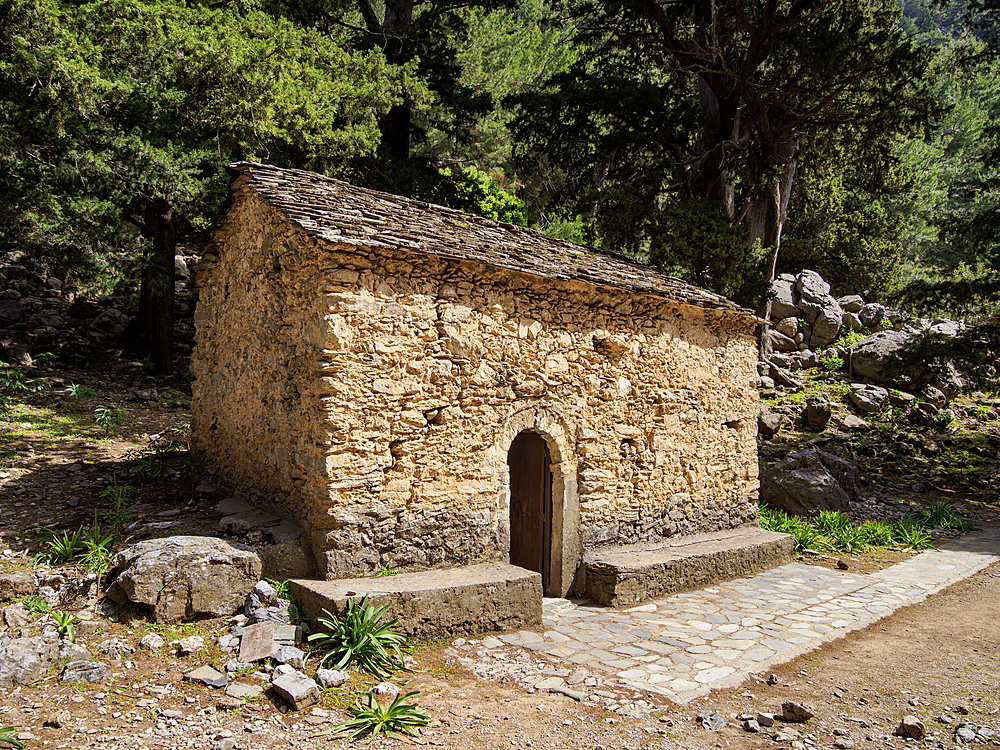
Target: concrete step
{"x":619,"y":576}
{"x":433,"y":603}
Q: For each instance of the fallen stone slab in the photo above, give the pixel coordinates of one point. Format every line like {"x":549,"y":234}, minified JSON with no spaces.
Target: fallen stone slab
{"x":85,"y":671}
{"x":257,"y":642}
{"x":207,"y":676}
{"x":619,"y":576}
{"x":471,"y":599}
{"x":796,"y":712}
{"x":243,"y":691}
{"x":300,"y":691}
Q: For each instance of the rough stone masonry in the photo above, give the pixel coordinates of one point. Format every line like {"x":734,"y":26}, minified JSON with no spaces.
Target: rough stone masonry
{"x":364,"y":362}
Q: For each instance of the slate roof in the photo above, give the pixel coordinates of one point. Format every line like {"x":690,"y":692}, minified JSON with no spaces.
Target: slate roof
{"x":339,"y":212}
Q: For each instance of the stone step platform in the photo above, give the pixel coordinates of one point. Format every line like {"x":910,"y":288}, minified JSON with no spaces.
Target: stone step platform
{"x":620,"y":576}
{"x":433,"y":603}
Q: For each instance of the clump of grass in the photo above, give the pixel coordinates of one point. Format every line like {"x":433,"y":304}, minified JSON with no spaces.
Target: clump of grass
{"x":939,"y":516}
{"x":394,"y":719}
{"x":833,"y":531}
{"x":361,"y":637}
{"x":60,"y":547}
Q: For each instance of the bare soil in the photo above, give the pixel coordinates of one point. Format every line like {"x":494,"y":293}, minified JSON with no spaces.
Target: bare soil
{"x":938,"y":660}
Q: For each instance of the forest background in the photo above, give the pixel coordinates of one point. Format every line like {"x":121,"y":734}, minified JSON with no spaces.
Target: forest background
{"x":723,"y":141}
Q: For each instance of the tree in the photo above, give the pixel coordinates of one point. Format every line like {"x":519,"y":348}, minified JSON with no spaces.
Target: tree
{"x":144,"y":102}
{"x":719,"y":101}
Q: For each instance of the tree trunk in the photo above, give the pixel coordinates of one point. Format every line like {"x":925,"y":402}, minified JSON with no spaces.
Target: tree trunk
{"x":766,"y":222}
{"x":395,"y":125}
{"x":156,"y":295}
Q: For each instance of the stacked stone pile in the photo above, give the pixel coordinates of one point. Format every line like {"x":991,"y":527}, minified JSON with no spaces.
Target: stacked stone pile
{"x":40,"y":313}
{"x":806,"y":332}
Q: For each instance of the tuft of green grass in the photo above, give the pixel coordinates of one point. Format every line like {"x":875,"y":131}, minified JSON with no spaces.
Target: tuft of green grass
{"x":61,"y":547}
{"x":361,"y":637}
{"x":395,"y":719}
{"x":36,"y":604}
{"x":833,"y":531}
{"x":939,"y":516}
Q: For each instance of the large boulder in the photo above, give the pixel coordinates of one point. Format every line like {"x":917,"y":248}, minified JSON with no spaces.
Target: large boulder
{"x":873,"y":356}
{"x":808,"y":481}
{"x":184,"y":577}
{"x":784,"y":303}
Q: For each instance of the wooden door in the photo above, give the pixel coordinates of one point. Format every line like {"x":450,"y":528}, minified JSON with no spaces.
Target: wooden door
{"x":530,"y":504}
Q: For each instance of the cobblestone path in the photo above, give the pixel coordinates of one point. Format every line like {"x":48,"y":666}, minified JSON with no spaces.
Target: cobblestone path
{"x":685,"y":645}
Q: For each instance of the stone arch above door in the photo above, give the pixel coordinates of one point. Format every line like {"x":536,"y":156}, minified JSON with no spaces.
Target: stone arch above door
{"x":566,"y":548}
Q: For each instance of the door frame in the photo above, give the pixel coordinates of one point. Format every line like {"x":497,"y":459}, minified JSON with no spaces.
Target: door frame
{"x":565,"y":548}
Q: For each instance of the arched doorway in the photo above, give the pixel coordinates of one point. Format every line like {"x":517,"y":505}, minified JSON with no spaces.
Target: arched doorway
{"x":531,"y":504}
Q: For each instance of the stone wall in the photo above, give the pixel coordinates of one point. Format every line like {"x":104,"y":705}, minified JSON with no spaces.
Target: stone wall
{"x":372,"y":395}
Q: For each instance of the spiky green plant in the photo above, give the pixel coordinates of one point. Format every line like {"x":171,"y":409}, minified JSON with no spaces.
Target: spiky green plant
{"x":392,"y":719}
{"x":908,"y":537}
{"x":360,"y":637}
{"x":8,"y":737}
{"x":64,"y":625}
{"x":61,"y":547}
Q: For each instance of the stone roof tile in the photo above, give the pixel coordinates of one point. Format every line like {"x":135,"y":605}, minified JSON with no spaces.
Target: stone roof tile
{"x":339,"y":212}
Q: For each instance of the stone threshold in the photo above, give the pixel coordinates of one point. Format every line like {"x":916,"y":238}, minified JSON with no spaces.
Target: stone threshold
{"x":621,"y":576}
{"x":428,"y":604}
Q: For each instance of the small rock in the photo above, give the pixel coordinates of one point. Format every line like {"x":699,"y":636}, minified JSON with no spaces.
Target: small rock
{"x":57,"y":719}
{"x":226,"y":743}
{"x":773,"y":679}
{"x":85,"y":671}
{"x":712,"y":721}
{"x":843,"y":744}
{"x":242,"y":690}
{"x":207,"y":675}
{"x":751,"y":725}
{"x":961,"y":709}
{"x":966,"y":732}
{"x":297,"y":689}
{"x":765,"y":719}
{"x":288,"y":655}
{"x":190,"y":645}
{"x":911,"y":727}
{"x":153,"y":642}
{"x":842,"y":565}
{"x":796,"y":712}
{"x":385,"y":689}
{"x":16,"y":616}
{"x":331,"y":677}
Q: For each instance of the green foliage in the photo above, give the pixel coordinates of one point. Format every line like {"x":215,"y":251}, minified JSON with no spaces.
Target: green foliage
{"x":97,"y":548}
{"x":369,"y":717}
{"x":908,"y":537}
{"x":653,"y":116}
{"x":8,"y":736}
{"x":110,"y":418}
{"x":76,"y":390}
{"x":939,"y":516}
{"x":16,"y":380}
{"x":833,"y":531}
{"x":36,"y":604}
{"x":697,"y":243}
{"x":64,"y":625}
{"x":832,"y":364}
{"x":360,"y":637}
{"x":61,"y":547}
{"x":477,"y":192}
{"x":119,"y":515}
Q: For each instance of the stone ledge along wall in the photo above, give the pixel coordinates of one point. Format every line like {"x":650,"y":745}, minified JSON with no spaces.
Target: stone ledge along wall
{"x":371,"y":395}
